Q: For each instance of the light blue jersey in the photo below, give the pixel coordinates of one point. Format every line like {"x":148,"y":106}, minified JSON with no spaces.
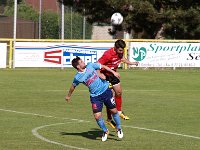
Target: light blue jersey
{"x":91,"y":79}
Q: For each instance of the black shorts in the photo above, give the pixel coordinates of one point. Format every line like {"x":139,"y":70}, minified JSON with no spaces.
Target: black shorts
{"x":112,"y":79}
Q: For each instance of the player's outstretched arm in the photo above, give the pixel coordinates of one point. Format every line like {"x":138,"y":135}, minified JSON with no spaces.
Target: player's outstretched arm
{"x":101,"y":75}
{"x":129,"y":62}
{"x":71,"y":90}
{"x":110,"y":70}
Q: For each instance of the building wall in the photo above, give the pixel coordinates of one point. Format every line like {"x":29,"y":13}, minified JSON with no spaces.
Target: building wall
{"x":101,"y":33}
{"x":25,"y":29}
{"x":47,"y":5}
{"x":1,"y":9}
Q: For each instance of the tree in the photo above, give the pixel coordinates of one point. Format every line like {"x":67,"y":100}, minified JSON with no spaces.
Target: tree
{"x":177,"y":18}
{"x":50,"y":25}
{"x":74,"y":27}
{"x":2,"y":2}
{"x":24,"y":12}
{"x":50,"y":21}
{"x":11,"y":2}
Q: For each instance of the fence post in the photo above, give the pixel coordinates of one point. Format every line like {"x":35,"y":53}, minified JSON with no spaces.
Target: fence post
{"x":126,"y":55}
{"x":10,"y":53}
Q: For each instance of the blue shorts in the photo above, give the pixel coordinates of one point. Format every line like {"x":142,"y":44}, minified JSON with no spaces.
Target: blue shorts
{"x":105,"y":98}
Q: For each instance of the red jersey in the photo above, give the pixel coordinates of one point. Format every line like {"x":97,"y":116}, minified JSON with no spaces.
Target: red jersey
{"x":110,"y":59}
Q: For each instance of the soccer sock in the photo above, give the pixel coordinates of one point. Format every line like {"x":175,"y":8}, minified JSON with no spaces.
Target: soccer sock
{"x":118,"y":100}
{"x":109,"y":115}
{"x":101,"y":124}
{"x":117,"y":120}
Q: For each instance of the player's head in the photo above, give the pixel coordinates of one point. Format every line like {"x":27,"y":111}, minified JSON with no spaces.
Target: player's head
{"x":78,"y":63}
{"x":119,"y":46}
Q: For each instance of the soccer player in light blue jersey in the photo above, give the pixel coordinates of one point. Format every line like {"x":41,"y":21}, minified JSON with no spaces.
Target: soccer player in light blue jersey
{"x":100,"y":93}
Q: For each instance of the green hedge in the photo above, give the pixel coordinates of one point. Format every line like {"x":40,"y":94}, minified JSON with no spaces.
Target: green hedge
{"x":51,"y":22}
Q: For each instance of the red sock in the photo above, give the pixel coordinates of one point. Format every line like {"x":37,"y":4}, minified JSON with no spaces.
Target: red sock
{"x":118,"y":101}
{"x":109,"y":116}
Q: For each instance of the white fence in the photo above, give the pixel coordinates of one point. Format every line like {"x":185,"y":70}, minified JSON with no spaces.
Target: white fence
{"x":57,"y":53}
{"x":157,"y":54}
{"x":3,"y":55}
{"x":37,"y":54}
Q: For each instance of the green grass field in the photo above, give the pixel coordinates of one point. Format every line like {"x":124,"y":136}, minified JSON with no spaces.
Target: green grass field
{"x":163,"y":106}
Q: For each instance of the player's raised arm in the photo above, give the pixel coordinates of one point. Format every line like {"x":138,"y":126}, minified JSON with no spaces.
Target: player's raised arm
{"x":101,"y":75}
{"x":110,"y":70}
{"x":71,"y":90}
{"x":129,"y":62}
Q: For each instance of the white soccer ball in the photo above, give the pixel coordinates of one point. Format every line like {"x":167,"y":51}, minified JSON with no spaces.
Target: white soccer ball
{"x":116,"y":19}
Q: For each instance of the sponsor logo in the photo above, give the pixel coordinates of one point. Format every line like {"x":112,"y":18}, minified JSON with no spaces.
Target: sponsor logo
{"x":174,"y":48}
{"x":86,"y":55}
{"x":139,"y":53}
{"x":91,"y":79}
{"x":193,"y":56}
{"x":53,"y":56}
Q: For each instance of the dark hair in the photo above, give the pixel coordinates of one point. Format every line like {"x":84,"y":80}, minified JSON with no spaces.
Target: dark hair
{"x":75,"y":62}
{"x":120,"y":44}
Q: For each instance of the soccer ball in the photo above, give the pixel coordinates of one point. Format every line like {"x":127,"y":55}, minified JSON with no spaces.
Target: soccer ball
{"x":116,"y":19}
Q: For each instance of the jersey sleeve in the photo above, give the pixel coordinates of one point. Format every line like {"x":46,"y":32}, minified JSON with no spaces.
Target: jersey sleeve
{"x":75,"y":82}
{"x":104,"y":58}
{"x":96,"y":65}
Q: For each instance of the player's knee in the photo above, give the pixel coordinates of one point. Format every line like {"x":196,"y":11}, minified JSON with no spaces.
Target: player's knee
{"x":97,"y":116}
{"x":113,"y":111}
{"x":118,"y":93}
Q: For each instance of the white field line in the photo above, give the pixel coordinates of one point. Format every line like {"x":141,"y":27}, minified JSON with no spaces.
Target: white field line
{"x":125,"y":90}
{"x":85,"y":90}
{"x":165,"y":132}
{"x":130,"y":90}
{"x":35,"y":133}
{"x":139,"y":128}
{"x":46,"y":116}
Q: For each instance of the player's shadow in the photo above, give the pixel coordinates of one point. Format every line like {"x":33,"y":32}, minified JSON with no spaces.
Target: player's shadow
{"x":92,"y":134}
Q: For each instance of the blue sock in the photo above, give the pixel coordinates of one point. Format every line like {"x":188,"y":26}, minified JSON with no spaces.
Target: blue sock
{"x":117,"y":120}
{"x":101,"y":124}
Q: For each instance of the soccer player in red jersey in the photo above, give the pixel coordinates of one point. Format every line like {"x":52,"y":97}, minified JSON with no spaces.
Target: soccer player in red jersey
{"x":112,"y":58}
